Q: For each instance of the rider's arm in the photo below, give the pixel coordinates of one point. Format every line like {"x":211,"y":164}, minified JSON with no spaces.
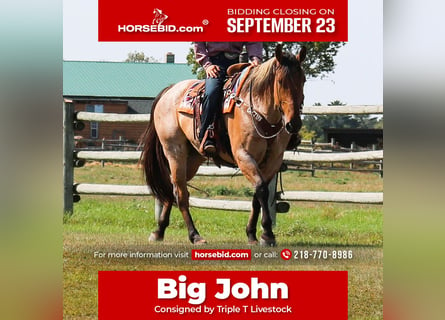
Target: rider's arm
{"x":255,"y":51}
{"x":201,"y":54}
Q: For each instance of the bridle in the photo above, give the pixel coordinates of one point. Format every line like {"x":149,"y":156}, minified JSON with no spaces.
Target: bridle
{"x":259,"y":119}
{"x":263,"y":127}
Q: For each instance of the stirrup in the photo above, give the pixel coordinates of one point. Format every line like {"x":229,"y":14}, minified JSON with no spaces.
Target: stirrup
{"x":208,"y":144}
{"x":209,"y":147}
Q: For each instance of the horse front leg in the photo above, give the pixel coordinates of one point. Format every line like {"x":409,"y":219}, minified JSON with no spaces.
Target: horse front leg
{"x":253,"y":220}
{"x":251,"y":171}
{"x":163,"y":222}
{"x":262,"y":194}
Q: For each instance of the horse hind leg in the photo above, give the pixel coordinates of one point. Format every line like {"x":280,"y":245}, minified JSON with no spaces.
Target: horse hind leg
{"x":163,"y":223}
{"x":182,"y":198}
{"x":179,"y":180}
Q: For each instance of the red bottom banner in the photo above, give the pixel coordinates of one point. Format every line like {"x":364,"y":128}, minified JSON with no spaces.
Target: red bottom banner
{"x":204,"y":295}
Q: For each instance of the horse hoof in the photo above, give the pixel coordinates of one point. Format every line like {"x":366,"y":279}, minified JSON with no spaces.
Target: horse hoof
{"x":252,"y":242}
{"x":154,"y":237}
{"x":268,"y":242}
{"x":199,"y":241}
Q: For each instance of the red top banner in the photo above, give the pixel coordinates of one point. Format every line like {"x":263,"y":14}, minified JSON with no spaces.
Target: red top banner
{"x":168,"y":20}
{"x":220,"y":295}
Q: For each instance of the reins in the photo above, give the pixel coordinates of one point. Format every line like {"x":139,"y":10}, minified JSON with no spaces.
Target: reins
{"x":263,"y":127}
{"x":259,"y":118}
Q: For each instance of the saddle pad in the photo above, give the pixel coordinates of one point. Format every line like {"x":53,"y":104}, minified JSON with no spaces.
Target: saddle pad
{"x":191,"y":97}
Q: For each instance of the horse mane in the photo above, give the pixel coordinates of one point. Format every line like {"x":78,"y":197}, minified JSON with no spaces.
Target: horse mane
{"x":263,"y":76}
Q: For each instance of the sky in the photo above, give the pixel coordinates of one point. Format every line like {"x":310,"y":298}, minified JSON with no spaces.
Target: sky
{"x":357,"y":78}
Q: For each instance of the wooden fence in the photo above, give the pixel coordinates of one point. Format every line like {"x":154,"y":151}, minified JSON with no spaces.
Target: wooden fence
{"x":310,"y":146}
{"x":71,"y":159}
{"x":120,"y":144}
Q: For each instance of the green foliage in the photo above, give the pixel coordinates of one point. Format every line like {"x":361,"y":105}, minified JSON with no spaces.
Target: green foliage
{"x":223,"y":191}
{"x":324,"y":223}
{"x":378,"y":123}
{"x":196,"y":68}
{"x":317,"y":123}
{"x":320,"y":56}
{"x":307,"y":134}
{"x":233,"y":191}
{"x":139,"y":57}
{"x":319,"y":59}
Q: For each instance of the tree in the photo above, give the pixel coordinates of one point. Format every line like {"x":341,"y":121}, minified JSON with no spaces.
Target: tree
{"x":139,"y":57}
{"x":318,"y":123}
{"x":305,"y":134}
{"x":378,"y":123}
{"x":319,"y":60}
{"x":196,"y":68}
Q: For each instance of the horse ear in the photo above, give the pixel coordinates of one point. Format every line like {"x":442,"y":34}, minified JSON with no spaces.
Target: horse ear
{"x":302,"y":54}
{"x":279,"y":52}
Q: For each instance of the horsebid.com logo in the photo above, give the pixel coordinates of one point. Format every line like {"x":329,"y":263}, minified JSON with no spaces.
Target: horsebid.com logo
{"x":159,"y":17}
{"x":157,"y":25}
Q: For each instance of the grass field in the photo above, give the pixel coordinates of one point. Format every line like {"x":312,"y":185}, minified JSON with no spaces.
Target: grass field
{"x":122,"y":224}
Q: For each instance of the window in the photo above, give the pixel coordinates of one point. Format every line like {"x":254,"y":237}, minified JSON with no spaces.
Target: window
{"x":94,"y":130}
{"x":94,"y":126}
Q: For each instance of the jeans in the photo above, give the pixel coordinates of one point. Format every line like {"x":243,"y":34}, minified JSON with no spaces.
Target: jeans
{"x":212,"y":101}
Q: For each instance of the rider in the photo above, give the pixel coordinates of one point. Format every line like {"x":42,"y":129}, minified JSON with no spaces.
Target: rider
{"x":215,"y":58}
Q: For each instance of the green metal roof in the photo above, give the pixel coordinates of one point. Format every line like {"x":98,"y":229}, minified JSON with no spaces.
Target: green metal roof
{"x":120,"y":79}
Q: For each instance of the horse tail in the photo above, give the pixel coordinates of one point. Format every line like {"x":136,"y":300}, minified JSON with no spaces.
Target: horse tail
{"x":155,"y":165}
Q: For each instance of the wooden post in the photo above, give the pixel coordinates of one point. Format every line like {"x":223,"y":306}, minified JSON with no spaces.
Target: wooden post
{"x":381,"y":168}
{"x":312,"y":164}
{"x":353,"y":146}
{"x":68,"y":156}
{"x":103,"y":149}
{"x":121,"y":146}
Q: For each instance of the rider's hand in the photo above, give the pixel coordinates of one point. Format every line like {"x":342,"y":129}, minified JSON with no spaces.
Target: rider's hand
{"x":212,"y":71}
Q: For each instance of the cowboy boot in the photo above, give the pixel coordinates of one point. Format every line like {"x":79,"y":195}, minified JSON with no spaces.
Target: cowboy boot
{"x":208,"y":143}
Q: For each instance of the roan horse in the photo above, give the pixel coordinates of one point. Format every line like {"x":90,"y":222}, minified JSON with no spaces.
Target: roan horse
{"x":170,"y":158}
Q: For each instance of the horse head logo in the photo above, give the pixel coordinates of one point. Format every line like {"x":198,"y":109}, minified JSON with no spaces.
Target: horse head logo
{"x":159,"y":16}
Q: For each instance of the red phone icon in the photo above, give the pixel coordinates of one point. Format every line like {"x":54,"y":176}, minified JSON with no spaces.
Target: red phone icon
{"x":286,"y":254}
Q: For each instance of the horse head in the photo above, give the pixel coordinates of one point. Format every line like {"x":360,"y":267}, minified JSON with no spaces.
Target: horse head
{"x":288,"y":87}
